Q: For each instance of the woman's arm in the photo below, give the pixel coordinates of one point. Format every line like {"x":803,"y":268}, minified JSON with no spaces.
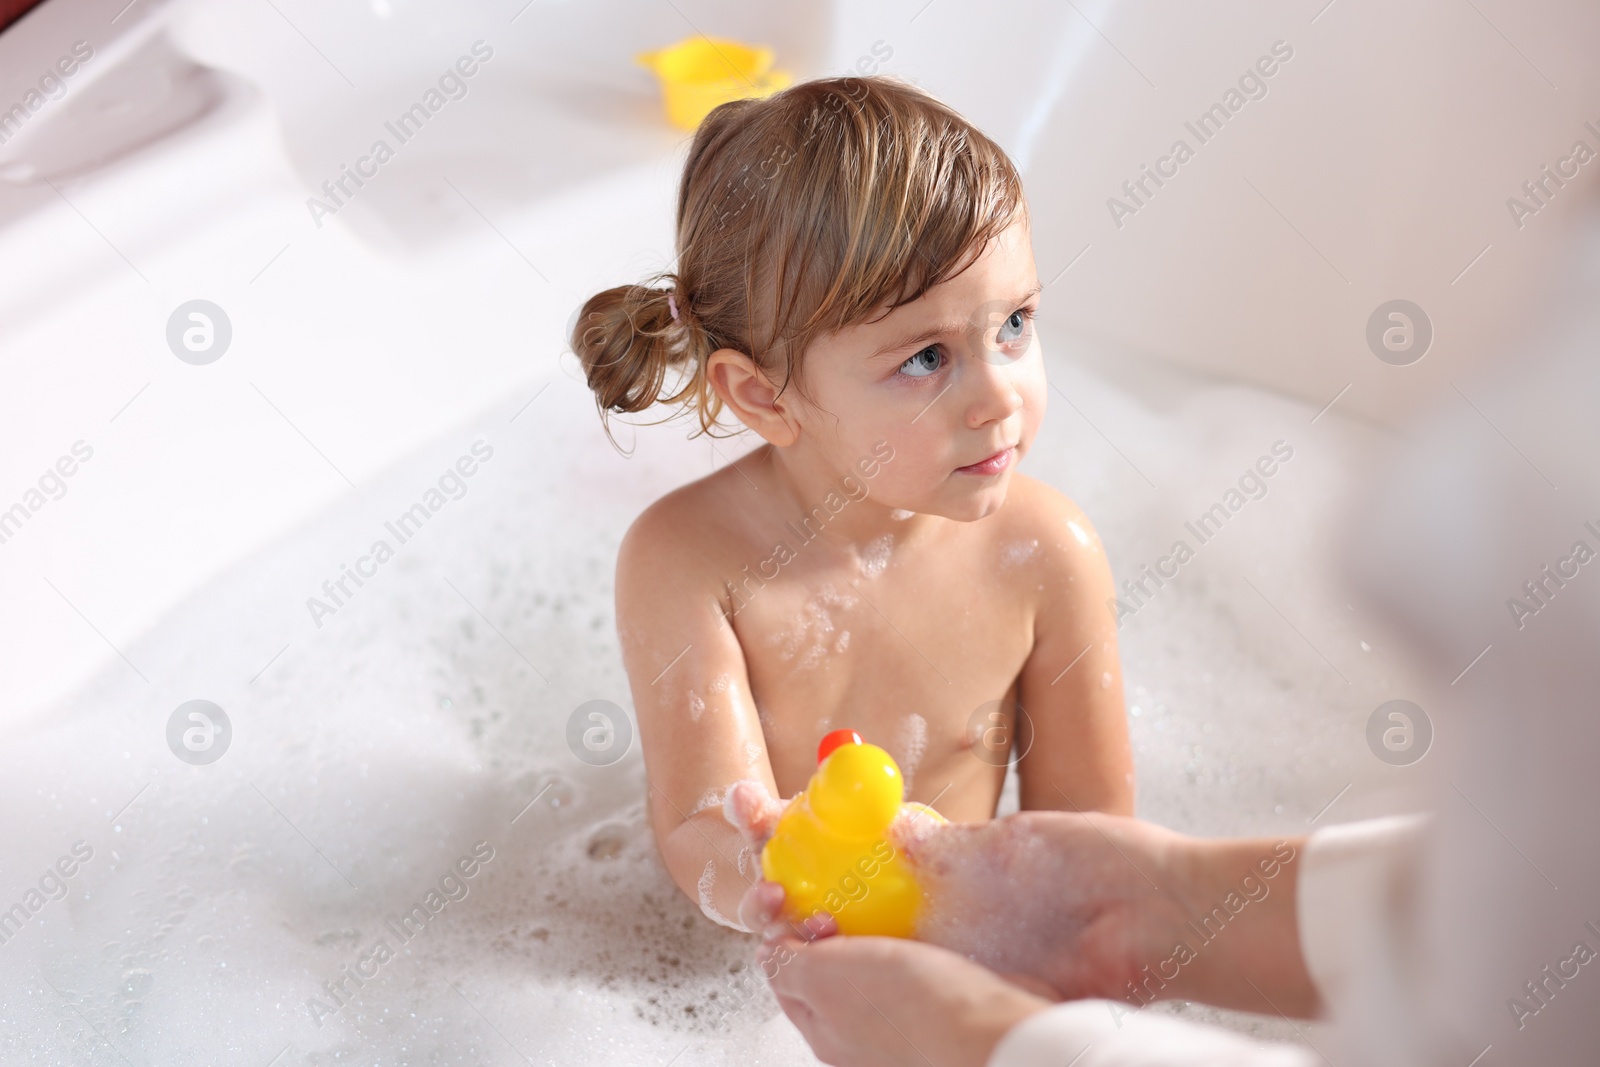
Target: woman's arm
{"x":1079,"y":758}
{"x":1077,"y":906}
{"x":1100,"y":905}
{"x":883,"y":1002}
{"x":698,"y":726}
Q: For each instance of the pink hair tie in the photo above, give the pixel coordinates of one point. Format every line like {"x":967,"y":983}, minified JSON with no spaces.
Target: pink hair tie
{"x":672,"y":306}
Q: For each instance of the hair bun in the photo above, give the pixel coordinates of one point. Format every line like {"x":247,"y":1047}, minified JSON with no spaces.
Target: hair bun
{"x":626,"y":338}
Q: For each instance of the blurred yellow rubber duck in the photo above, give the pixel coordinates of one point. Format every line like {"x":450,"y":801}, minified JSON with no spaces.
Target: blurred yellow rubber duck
{"x":699,"y":73}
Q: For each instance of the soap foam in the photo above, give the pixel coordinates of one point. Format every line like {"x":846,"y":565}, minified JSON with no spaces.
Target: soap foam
{"x":912,"y":742}
{"x":381,"y":746}
{"x":875,"y":557}
{"x":707,"y":884}
{"x":806,"y":640}
{"x":711,"y":798}
{"x":1016,"y":553}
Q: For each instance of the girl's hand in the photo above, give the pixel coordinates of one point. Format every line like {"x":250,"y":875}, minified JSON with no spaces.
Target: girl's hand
{"x":754,"y":812}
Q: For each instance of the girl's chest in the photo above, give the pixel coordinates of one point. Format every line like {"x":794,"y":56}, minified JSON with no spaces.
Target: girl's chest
{"x":907,"y":658}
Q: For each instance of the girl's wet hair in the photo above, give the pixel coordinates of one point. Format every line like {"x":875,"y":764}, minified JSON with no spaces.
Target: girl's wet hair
{"x":820,"y":207}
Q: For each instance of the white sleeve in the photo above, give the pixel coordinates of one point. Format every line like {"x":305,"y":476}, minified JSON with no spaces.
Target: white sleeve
{"x":1346,"y":884}
{"x":1108,"y":1033}
{"x":1357,"y":886}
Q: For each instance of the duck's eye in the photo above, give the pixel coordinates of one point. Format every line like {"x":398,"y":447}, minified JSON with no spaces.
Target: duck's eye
{"x":923,"y":363}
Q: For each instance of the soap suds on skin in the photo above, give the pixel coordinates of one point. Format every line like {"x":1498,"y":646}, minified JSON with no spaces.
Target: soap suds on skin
{"x":711,"y":798}
{"x":875,"y":557}
{"x":913,"y":741}
{"x":708,"y":881}
{"x":720,"y":683}
{"x":697,"y":706}
{"x":1016,"y":553}
{"x":812,"y":631}
{"x":900,"y":514}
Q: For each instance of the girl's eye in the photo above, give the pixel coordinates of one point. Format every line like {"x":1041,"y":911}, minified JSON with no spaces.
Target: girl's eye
{"x":923,"y":363}
{"x":1013,"y":328}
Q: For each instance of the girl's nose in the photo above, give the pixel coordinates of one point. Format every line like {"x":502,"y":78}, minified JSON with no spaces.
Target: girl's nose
{"x":994,"y":396}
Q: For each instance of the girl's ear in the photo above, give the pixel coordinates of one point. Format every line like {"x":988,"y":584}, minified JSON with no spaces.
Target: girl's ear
{"x":746,"y":389}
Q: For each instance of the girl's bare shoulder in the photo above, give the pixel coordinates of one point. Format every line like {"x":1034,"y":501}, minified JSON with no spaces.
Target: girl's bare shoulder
{"x":694,"y":529}
{"x":1039,"y":507}
{"x":1046,"y":527}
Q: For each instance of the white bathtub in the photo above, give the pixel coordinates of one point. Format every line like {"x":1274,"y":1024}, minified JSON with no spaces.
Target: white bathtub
{"x":374,"y":746}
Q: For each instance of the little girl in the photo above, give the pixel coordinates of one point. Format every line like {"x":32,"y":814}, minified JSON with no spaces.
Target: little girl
{"x":855,"y":282}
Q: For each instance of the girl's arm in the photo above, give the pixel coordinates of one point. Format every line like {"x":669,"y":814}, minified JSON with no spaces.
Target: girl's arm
{"x":698,"y":726}
{"x":1071,"y":684}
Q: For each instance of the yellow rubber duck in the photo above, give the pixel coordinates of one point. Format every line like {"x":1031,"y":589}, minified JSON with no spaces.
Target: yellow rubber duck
{"x":830,"y":850}
{"x":699,"y":73}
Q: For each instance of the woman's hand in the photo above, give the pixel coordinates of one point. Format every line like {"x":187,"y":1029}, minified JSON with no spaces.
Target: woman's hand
{"x":1067,"y":905}
{"x":884,"y":1000}
{"x":1095,"y":905}
{"x":1080,"y":902}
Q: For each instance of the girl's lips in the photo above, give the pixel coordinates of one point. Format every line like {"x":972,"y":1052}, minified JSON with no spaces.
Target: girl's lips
{"x":993,"y":465}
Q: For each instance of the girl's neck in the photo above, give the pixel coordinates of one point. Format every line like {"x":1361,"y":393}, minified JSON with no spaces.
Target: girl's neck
{"x":836,"y":506}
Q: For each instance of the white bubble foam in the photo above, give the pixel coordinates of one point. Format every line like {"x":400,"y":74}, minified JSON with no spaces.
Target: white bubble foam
{"x":912,"y":742}
{"x":810,"y":632}
{"x":405,"y":729}
{"x":711,"y":798}
{"x":1015,"y":553}
{"x":875,"y":557}
{"x":706,"y":885}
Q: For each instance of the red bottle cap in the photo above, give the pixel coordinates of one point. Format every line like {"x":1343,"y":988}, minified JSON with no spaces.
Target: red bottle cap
{"x":834,"y":740}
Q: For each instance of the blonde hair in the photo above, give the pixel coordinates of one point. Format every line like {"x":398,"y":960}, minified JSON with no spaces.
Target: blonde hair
{"x":799,"y":214}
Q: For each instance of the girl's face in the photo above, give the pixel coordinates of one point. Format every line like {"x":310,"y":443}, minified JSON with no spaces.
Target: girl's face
{"x":953,"y":381}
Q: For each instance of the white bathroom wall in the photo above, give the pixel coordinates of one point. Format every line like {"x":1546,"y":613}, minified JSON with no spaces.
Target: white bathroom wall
{"x":1377,"y":166}
{"x":443,"y":286}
